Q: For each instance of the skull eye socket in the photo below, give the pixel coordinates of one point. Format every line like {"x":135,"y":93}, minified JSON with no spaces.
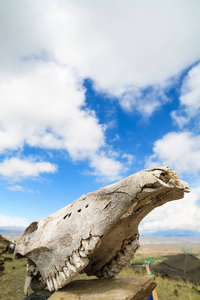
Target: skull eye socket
{"x":28,"y":234}
{"x":31,"y":231}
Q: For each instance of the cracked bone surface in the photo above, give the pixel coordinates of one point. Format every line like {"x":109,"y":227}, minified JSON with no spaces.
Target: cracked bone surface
{"x":98,"y":233}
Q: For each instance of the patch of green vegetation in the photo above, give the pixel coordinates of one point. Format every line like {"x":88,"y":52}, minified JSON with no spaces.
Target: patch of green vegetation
{"x":12,"y":282}
{"x":167,"y":289}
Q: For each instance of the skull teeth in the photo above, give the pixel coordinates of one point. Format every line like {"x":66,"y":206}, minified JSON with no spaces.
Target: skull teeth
{"x":66,"y":271}
{"x":76,"y":260}
{"x":73,"y":264}
{"x":50,"y":284}
{"x":71,"y":268}
{"x":62,"y":277}
{"x":79,"y":260}
{"x":59,"y":280}
{"x":86,"y":246}
{"x":93,"y":241}
{"x":120,"y":261}
{"x":82,"y":253}
{"x":55,"y":283}
{"x":90,"y":244}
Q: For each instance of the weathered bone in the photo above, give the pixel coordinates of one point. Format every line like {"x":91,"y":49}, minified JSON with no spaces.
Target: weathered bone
{"x":27,"y":283}
{"x":98,"y":233}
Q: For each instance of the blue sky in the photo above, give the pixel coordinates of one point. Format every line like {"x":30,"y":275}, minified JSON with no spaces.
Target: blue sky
{"x":91,"y":92}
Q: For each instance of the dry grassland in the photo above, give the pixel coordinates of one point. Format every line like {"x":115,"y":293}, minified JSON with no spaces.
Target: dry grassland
{"x":12,"y":280}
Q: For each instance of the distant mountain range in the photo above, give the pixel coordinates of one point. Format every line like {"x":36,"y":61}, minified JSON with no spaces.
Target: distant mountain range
{"x":11,"y":230}
{"x":165,"y":237}
{"x":149,"y":239}
{"x":171,"y":233}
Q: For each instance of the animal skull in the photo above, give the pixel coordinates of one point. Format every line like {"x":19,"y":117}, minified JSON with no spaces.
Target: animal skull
{"x":98,"y":233}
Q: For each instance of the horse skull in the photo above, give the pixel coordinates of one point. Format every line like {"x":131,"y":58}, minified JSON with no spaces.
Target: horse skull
{"x":98,"y":233}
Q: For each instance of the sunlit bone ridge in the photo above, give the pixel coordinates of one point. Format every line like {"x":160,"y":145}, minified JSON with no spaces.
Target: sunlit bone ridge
{"x":98,"y":233}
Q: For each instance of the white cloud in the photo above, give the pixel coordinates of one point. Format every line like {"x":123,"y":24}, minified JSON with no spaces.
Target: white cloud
{"x":19,"y":188}
{"x":144,"y":101}
{"x":17,"y":169}
{"x":49,"y":47}
{"x":47,"y":109}
{"x":129,"y":158}
{"x":189,"y":98}
{"x":190,"y":91}
{"x":13,"y":221}
{"x":180,"y":151}
{"x":106,"y":168}
{"x":16,"y":188}
{"x":176,"y":215}
{"x":196,"y":190}
{"x":139,"y":47}
{"x":180,"y":117}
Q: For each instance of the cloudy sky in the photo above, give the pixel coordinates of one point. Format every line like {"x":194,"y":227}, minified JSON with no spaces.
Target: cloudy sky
{"x":92,"y":91}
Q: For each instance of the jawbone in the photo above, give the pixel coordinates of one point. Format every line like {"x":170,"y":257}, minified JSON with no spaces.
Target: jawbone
{"x":98,"y":233}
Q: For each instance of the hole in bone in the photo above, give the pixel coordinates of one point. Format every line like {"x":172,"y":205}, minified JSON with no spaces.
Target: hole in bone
{"x":107,"y":205}
{"x":67,"y":216}
{"x":31,"y":231}
{"x":32,"y":235}
{"x":87,"y":206}
{"x":164,"y":177}
{"x":79,"y":210}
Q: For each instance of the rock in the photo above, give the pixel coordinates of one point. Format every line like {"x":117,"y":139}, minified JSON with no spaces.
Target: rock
{"x":40,"y":295}
{"x":106,"y":289}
